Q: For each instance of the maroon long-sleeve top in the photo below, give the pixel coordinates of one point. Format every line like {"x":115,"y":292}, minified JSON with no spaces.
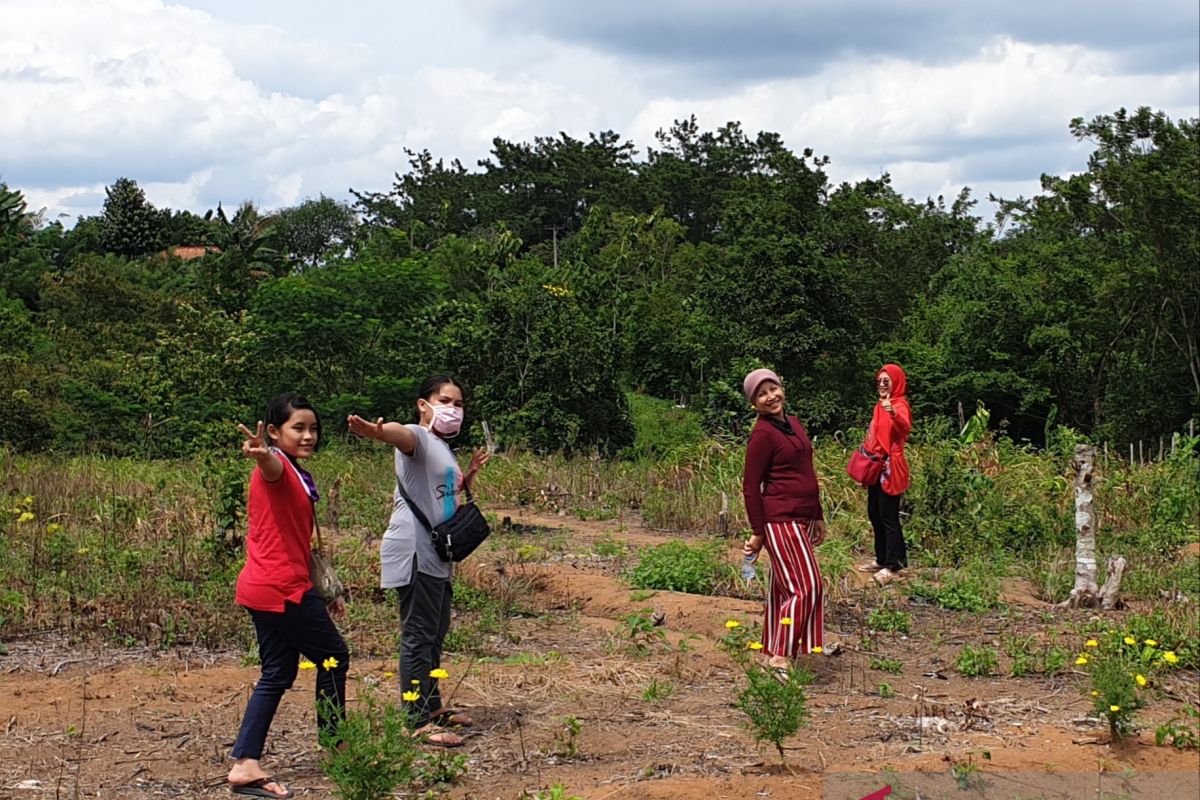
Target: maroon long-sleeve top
{"x":779,"y":483}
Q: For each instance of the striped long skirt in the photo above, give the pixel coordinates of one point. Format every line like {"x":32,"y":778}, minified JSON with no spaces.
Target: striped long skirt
{"x":794,"y":622}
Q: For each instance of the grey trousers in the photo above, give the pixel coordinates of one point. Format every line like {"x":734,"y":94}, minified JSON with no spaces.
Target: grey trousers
{"x":424,"y":621}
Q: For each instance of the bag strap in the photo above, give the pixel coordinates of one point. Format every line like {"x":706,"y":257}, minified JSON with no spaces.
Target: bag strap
{"x":412,"y":506}
{"x":283,"y":457}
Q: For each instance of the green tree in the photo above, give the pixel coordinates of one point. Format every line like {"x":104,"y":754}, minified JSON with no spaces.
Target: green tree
{"x":129,"y":224}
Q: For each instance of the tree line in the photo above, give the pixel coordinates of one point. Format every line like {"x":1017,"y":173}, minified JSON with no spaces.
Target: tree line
{"x":562,"y":274}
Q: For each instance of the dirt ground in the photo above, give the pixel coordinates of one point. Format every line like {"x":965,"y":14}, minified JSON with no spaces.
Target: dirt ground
{"x":105,"y":723}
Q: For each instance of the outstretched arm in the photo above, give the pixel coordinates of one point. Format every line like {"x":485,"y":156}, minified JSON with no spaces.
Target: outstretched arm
{"x":393,"y":433}
{"x":255,"y":446}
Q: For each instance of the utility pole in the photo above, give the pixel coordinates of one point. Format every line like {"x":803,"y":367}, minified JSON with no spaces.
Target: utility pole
{"x":554,"y":229}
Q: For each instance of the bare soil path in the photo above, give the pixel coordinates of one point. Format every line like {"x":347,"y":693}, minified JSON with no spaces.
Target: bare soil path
{"x":92,"y":721}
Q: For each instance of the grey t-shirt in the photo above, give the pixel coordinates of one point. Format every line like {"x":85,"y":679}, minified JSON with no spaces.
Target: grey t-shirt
{"x":431,"y":477}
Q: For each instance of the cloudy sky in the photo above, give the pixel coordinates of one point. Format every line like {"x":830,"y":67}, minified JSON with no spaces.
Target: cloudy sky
{"x":207,"y":101}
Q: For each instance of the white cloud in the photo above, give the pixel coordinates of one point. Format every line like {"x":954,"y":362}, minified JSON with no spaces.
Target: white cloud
{"x":927,"y":123}
{"x":202,"y":107}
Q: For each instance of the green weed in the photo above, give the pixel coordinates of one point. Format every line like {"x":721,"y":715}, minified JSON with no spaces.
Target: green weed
{"x":976,"y":662}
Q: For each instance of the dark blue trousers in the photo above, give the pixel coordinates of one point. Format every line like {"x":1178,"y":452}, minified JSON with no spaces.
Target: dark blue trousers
{"x":301,"y":629}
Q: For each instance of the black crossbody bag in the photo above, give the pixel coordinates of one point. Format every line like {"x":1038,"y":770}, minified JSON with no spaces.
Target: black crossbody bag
{"x":457,"y":537}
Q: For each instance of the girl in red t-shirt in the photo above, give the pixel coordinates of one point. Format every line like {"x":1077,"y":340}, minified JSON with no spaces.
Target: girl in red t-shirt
{"x":290,"y":619}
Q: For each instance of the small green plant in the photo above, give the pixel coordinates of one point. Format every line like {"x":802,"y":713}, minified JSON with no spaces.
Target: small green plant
{"x":885,"y":690}
{"x":1031,"y":656}
{"x":889,"y":619}
{"x":376,"y":753}
{"x":976,"y":662}
{"x":639,"y":634}
{"x":679,"y":567}
{"x":658,"y":691}
{"x":967,"y":774}
{"x":776,"y":705}
{"x":440,"y":768}
{"x":555,"y":792}
{"x":608,"y":546}
{"x":566,"y":738}
{"x":884,"y":664}
{"x":1182,"y":733}
{"x":641,"y":595}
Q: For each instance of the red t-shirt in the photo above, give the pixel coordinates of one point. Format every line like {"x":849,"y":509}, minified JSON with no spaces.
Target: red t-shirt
{"x":278,"y":544}
{"x":779,"y":483}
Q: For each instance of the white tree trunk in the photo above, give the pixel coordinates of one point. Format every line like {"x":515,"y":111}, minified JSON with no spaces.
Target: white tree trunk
{"x":1110,"y":596}
{"x":1085,"y":591}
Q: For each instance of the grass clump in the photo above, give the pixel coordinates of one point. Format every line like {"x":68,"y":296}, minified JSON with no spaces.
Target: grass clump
{"x":885,"y":619}
{"x":679,"y":567}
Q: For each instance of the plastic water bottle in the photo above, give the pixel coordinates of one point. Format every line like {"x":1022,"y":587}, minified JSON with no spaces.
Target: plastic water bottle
{"x":748,"y":567}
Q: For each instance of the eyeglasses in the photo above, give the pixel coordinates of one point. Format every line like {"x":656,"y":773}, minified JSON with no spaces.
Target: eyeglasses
{"x":883,"y":381}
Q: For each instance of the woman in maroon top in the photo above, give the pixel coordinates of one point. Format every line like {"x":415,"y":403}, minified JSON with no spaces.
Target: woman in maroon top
{"x":783,"y":502}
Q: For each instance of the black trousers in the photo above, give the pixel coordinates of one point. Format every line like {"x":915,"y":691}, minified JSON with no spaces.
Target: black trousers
{"x":424,"y":621}
{"x":302,"y":628}
{"x":883,"y":509}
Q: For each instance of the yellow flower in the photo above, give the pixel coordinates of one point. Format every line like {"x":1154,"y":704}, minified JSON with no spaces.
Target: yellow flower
{"x":1091,"y":643}
{"x":54,"y":528}
{"x":330,"y":663}
{"x":754,"y":646}
{"x":306,"y":664}
{"x":83,"y":551}
{"x":439,"y":673}
{"x":732,"y":623}
{"x":26,"y":516}
{"x":1130,"y":640}
{"x":28,"y":499}
{"x":1152,"y":643}
{"x":1095,"y":693}
{"x":818,"y":649}
{"x":389,"y":674}
{"x":785,"y":621}
{"x":411,"y":697}
{"x":1170,"y":657}
{"x":415,"y":682}
{"x":1141,"y":679}
{"x":1081,"y":660}
{"x":1114,"y":709}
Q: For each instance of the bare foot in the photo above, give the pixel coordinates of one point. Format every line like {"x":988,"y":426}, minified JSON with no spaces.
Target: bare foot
{"x":436,"y":735}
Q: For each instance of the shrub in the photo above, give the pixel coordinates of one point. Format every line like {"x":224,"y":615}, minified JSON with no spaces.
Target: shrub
{"x":376,"y":754}
{"x":960,"y":590}
{"x":776,"y":705}
{"x":678,"y":567}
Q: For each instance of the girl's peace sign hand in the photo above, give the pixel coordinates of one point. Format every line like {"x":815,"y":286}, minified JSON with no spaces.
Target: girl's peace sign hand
{"x":255,"y":445}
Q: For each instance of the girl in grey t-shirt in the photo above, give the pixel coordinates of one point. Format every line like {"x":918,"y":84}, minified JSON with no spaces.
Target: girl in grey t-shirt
{"x":431,"y":476}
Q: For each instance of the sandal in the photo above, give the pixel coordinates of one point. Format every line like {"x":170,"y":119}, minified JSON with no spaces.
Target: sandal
{"x":873,"y":566}
{"x":452,"y":716}
{"x":885,"y":576}
{"x":258,"y":788}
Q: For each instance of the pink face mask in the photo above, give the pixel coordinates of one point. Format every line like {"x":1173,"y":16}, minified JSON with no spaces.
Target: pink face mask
{"x":447,"y":420}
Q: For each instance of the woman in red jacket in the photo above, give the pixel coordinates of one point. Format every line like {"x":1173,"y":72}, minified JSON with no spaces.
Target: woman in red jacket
{"x":783,"y":502}
{"x":890,"y":426}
